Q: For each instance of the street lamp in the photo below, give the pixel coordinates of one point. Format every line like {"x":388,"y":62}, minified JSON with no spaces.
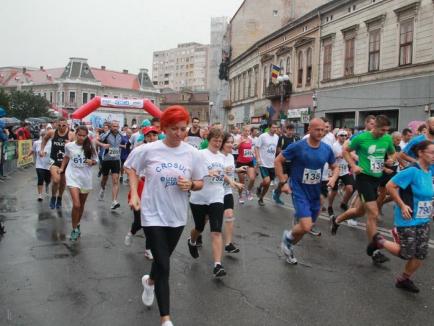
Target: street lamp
{"x":282,"y":80}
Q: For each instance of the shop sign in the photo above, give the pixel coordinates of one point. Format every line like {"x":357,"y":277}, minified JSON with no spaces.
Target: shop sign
{"x":297,"y":113}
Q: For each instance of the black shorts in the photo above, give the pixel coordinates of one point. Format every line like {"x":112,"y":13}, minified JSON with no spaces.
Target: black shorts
{"x":215,"y":214}
{"x":287,"y":168}
{"x":228,"y":202}
{"x":249,"y":164}
{"x":43,"y":176}
{"x":386,"y":178}
{"x":367,"y":186}
{"x":346,"y":179}
{"x":110,"y":166}
{"x":267,"y":173}
{"x":414,"y":241}
{"x":324,"y":188}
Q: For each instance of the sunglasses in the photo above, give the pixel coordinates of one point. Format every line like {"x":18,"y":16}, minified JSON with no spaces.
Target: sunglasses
{"x":63,"y":126}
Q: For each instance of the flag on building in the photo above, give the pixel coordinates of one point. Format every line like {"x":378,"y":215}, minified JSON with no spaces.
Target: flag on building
{"x":275,"y":73}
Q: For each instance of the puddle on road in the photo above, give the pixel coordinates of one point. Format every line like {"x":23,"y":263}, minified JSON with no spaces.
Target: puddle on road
{"x":8,"y":204}
{"x":53,"y":251}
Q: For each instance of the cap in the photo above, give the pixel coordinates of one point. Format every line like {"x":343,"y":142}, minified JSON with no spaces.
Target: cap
{"x":342,"y":132}
{"x":134,"y":126}
{"x":145,"y":123}
{"x":147,"y":130}
{"x":49,"y":126}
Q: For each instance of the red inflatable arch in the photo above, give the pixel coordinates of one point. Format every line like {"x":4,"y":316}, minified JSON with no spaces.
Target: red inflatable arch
{"x":107,"y":102}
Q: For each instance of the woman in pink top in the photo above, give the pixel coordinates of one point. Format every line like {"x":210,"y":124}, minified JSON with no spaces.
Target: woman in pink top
{"x":245,"y":159}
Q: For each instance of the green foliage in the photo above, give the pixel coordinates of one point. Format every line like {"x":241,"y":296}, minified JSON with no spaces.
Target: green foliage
{"x":24,"y":104}
{"x":4,"y":100}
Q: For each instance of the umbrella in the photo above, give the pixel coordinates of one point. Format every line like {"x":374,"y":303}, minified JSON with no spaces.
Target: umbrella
{"x":2,"y":112}
{"x":9,"y":122}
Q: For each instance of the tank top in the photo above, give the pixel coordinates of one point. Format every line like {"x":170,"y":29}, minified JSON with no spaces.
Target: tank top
{"x":245,"y":152}
{"x":190,"y":133}
{"x":58,"y":147}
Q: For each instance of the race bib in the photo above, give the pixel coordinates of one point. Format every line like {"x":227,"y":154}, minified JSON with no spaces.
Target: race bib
{"x":377,"y":165}
{"x":218,"y":179}
{"x":311,"y":177}
{"x":343,"y":169}
{"x":424,"y":209}
{"x":248,"y":153}
{"x":113,"y":151}
{"x":78,"y":161}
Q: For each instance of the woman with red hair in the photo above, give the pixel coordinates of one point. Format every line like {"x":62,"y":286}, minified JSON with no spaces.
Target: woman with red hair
{"x":170,"y":171}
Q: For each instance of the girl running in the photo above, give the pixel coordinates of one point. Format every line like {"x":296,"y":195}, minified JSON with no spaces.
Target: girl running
{"x":82,"y":156}
{"x":245,"y":158}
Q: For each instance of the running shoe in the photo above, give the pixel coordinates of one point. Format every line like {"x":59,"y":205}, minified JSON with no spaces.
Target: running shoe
{"x":315,"y":231}
{"x":115,"y":204}
{"x":352,"y":222}
{"x":167,"y":323}
{"x":75,"y":234}
{"x":395,"y":235}
{"x":219,"y":271}
{"x":287,"y":249}
{"x":128,"y":239}
{"x":259,"y":191}
{"x":407,"y":285}
{"x":261,"y":202}
{"x":199,"y":241}
{"x":249,"y":195}
{"x":330,"y":211}
{"x":241,"y":199}
{"x":231,"y":249}
{"x":148,"y":292}
{"x":193,"y":249}
{"x":373,"y":245}
{"x":344,"y":207}
{"x":101,"y":195}
{"x":276,"y":198}
{"x":59,"y":203}
{"x":39,"y":197}
{"x":333,"y":225}
{"x":379,"y":258}
{"x":53,"y":202}
{"x":2,"y":228}
{"x":148,"y":254}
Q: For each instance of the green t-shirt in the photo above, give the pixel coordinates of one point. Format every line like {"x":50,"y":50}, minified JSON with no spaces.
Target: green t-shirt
{"x":204,"y":144}
{"x":371,"y":152}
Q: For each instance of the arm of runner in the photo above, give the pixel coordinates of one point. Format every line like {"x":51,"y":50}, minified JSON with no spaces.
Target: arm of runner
{"x":346,"y":153}
{"x":103,"y":145}
{"x":278,"y":168}
{"x":44,"y":142}
{"x":65,"y":162}
{"x":393,"y":190}
{"x":233,"y":183}
{"x":405,"y":157}
{"x":133,"y":180}
{"x":335,"y":175}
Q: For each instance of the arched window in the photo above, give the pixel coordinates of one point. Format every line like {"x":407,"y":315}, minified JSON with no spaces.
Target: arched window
{"x":300,"y":69}
{"x":288,"y":65}
{"x":282,"y":67}
{"x":265,"y":79}
{"x":308,"y":66}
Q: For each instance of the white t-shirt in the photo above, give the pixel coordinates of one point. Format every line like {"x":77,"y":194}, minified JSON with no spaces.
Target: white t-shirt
{"x":402,"y":144}
{"x":163,"y":203}
{"x":213,"y":190}
{"x":340,"y":161}
{"x":78,"y":174}
{"x":267,"y":149}
{"x":229,"y":171}
{"x":237,"y":138}
{"x":41,"y":162}
{"x":254,"y":141}
{"x":133,"y":138}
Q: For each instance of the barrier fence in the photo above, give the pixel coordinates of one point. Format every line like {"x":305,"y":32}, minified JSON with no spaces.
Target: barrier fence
{"x":12,"y":154}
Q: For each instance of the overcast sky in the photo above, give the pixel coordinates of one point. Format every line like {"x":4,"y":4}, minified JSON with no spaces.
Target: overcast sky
{"x":117,"y":34}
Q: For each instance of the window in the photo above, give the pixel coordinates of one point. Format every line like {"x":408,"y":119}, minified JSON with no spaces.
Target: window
{"x":374,"y":50}
{"x":239,"y":88}
{"x":51,"y":97}
{"x":282,"y":68}
{"x":249,"y":86}
{"x":327,"y":60}
{"x":71,"y":97}
{"x":275,"y":13}
{"x":406,"y":42}
{"x":63,"y":98}
{"x":288,"y":65}
{"x":256,"y":81}
{"x":92,"y":95}
{"x":300,"y":70}
{"x":349,"y":57}
{"x":308,"y":66}
{"x":85,"y":98}
{"x":264,"y":86}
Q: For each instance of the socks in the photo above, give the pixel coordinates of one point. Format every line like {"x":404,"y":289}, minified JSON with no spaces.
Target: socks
{"x":403,"y":277}
{"x":290,"y":236}
{"x":217,"y":263}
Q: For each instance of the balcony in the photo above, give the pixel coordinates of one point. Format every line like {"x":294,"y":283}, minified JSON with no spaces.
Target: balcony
{"x":277,"y":91}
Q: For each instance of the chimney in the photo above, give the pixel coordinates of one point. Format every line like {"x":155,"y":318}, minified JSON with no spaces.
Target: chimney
{"x":144,"y":71}
{"x":125,"y":71}
{"x":41,"y":68}
{"x":102,"y":67}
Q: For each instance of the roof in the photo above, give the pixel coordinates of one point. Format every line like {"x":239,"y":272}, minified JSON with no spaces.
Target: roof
{"x":114,"y":79}
{"x":11,"y":77}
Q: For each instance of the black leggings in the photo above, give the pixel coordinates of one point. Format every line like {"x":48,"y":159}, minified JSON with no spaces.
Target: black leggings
{"x":163,"y":241}
{"x":137,"y":225}
{"x":43,"y":176}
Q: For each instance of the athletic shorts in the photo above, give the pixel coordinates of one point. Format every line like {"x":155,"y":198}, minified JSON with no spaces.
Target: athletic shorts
{"x":367,"y":186}
{"x":414,"y":241}
{"x":249,"y":164}
{"x":324,"y":188}
{"x":228,"y":201}
{"x":346,"y":179}
{"x":386,"y":178}
{"x":267,"y":172}
{"x":43,"y":176}
{"x":287,"y":168}
{"x":305,"y":207}
{"x":215,"y":214}
{"x":110,"y":166}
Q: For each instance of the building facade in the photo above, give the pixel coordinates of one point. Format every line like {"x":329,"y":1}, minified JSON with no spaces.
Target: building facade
{"x":377,"y":57}
{"x":183,"y":67}
{"x":70,"y":87}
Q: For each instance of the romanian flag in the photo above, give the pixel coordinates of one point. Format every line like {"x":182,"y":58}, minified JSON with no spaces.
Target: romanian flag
{"x":275,"y":73}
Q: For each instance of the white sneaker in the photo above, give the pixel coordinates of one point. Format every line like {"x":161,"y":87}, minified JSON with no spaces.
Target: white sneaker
{"x":148,"y":254}
{"x":101,"y":195}
{"x":115,"y":204}
{"x":128,"y":239}
{"x":352,"y":222}
{"x":167,"y":323}
{"x":148,"y":292}
{"x":287,"y":249}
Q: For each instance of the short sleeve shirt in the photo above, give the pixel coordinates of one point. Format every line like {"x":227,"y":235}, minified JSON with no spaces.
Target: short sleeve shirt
{"x":267,"y":149}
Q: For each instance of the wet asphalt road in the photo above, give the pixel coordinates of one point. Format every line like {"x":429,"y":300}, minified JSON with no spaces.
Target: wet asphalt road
{"x":47,"y":280}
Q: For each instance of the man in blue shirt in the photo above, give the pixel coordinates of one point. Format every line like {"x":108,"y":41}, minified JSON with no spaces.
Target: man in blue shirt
{"x":408,"y":153}
{"x":307,"y":157}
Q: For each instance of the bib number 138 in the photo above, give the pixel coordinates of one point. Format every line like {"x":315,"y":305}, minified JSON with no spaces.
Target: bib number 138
{"x":311,"y":177}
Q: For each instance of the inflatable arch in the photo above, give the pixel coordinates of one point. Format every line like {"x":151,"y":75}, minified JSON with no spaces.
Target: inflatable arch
{"x":107,"y":102}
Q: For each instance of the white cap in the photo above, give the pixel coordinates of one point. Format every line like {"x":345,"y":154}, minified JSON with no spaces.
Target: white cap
{"x":134,"y":126}
{"x":49,"y":126}
{"x":342,"y":132}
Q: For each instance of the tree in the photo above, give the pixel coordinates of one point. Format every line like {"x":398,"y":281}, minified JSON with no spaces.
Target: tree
{"x":24,"y":104}
{"x":4,"y":99}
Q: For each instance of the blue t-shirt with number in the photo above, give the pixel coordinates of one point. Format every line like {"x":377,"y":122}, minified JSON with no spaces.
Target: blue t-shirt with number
{"x":307,"y":165}
{"x":420,"y":196}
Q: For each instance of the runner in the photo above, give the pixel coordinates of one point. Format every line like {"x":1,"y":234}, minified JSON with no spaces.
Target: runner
{"x":265,"y":151}
{"x":193,"y":136}
{"x":228,"y":201}
{"x":408,"y":153}
{"x":407,"y":135}
{"x":371,"y":148}
{"x":307,"y":157}
{"x":59,"y":137}
{"x":151,"y":135}
{"x":171,"y":170}
{"x":209,"y":200}
{"x":111,"y":142}
{"x":125,"y":151}
{"x":237,"y":137}
{"x":412,"y":191}
{"x":245,"y":159}
{"x":289,"y":137}
{"x":344,"y":174}
{"x":81,"y":156}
